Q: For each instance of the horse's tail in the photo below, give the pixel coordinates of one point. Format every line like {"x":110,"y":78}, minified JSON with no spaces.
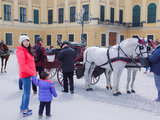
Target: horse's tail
{"x":85,"y":56}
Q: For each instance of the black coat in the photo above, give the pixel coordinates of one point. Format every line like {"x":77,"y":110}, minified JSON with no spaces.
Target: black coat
{"x":66,"y":56}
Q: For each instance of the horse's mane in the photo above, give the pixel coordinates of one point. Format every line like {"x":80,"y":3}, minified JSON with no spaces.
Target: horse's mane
{"x":128,"y":41}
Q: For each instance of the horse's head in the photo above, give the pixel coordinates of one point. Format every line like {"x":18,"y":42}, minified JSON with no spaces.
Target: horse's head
{"x":143,"y":48}
{"x":1,"y":47}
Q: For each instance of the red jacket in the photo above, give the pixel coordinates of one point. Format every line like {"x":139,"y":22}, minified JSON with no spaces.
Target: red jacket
{"x":41,"y":62}
{"x":26,"y":63}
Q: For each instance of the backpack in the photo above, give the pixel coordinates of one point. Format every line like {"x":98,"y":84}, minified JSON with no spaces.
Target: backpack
{"x":37,"y":53}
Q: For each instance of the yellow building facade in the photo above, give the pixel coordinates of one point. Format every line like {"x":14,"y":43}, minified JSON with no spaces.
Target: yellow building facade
{"x":106,"y":22}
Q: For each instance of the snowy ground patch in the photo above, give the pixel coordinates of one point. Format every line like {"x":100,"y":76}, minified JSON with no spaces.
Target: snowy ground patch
{"x":96,"y":105}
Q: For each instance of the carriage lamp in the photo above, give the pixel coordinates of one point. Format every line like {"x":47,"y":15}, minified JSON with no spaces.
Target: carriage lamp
{"x":80,"y":20}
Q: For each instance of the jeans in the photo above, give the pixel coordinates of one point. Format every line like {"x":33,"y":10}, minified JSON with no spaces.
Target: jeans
{"x":26,"y":93}
{"x":66,"y":76}
{"x":48,"y":107}
{"x":20,"y":84}
{"x":157,"y":83}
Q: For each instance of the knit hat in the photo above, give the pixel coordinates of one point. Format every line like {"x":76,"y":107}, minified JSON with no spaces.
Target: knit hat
{"x":22,"y":38}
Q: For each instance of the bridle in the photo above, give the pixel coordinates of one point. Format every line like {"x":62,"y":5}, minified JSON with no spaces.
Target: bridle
{"x":141,"y":46}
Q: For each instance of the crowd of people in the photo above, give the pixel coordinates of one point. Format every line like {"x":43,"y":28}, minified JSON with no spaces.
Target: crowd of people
{"x":31,"y":61}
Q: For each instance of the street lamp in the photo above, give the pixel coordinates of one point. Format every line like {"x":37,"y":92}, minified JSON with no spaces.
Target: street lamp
{"x":80,"y":20}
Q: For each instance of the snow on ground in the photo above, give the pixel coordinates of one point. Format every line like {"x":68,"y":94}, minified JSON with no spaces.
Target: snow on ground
{"x":96,"y":105}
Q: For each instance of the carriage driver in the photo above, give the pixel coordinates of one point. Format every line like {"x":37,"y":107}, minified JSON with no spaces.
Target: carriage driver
{"x":66,"y":56}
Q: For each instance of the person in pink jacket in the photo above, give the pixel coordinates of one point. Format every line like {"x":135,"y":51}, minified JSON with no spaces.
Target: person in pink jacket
{"x":27,"y":69}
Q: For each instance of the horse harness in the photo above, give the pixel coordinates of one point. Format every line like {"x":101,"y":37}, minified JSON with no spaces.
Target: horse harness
{"x":127,"y":59}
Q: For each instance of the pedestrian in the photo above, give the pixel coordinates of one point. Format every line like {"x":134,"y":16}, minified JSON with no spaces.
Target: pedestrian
{"x":155,"y":65}
{"x":46,"y":89}
{"x":40,"y":57}
{"x":27,"y":69}
{"x":66,"y":56}
{"x":20,"y":84}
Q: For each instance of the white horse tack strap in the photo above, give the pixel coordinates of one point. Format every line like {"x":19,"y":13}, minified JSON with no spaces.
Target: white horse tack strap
{"x":123,"y":59}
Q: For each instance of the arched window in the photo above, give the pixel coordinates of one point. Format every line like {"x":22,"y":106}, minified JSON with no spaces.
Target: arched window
{"x":151,"y":13}
{"x":136,"y":16}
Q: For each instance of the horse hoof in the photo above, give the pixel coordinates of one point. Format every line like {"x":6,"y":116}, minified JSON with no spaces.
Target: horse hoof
{"x":107,"y":87}
{"x":111,"y":88}
{"x":128,"y":92}
{"x":133,"y":91}
{"x":115,"y":94}
{"x":119,"y":93}
{"x":5,"y":72}
{"x":89,"y":89}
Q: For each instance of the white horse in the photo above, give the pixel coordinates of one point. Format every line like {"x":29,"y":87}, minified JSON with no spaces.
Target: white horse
{"x":96,"y":56}
{"x":132,"y":69}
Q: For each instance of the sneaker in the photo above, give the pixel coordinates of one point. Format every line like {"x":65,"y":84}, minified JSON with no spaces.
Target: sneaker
{"x":156,"y":100}
{"x":26,"y":114}
{"x":29,"y":110}
{"x":48,"y":115}
{"x":40,"y":115}
{"x":64,"y":91}
{"x":72,"y":92}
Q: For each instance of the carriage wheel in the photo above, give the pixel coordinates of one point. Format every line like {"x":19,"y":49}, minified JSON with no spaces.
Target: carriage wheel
{"x":60,"y":76}
{"x":52,"y":72}
{"x":94,"y":80}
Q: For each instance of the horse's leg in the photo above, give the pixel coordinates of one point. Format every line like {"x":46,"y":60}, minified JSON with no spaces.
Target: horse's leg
{"x":92,"y":67}
{"x":115,"y":74}
{"x":2,"y":65}
{"x":129,"y":71}
{"x":86,"y":75}
{"x":108,"y":78}
{"x":118,"y":80}
{"x":5,"y":64}
{"x":133,"y":79}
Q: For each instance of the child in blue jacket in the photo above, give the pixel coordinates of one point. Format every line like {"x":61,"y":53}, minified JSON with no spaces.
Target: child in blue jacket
{"x":46,"y":90}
